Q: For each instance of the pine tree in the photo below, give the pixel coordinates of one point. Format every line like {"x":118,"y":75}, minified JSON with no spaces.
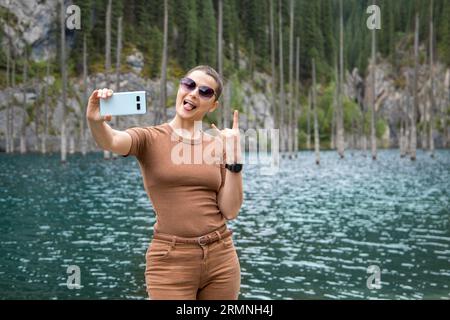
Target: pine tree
{"x":444,"y":46}
{"x":326,"y":26}
{"x":207,"y":43}
{"x":186,"y":24}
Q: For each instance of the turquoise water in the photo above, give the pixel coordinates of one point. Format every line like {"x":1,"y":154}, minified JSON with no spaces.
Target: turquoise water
{"x":306,"y":233}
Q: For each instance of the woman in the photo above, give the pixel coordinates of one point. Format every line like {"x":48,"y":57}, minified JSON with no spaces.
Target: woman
{"x":192,"y":254}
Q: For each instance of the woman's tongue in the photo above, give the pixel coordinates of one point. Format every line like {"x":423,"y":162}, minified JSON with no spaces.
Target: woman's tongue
{"x":188,"y":107}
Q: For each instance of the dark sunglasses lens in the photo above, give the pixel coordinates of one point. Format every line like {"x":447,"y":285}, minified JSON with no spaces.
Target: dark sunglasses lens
{"x":206,"y":92}
{"x":188,"y":83}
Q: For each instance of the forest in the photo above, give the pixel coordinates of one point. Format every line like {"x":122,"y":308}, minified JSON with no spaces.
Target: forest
{"x":270,"y":44}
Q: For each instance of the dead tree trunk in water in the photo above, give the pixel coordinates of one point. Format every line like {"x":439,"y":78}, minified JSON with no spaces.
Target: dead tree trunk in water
{"x":334,"y":106}
{"x":8,"y":103}
{"x":220,"y":53}
{"x":13,"y":85}
{"x":163,"y":93}
{"x":83,"y":133}
{"x":106,"y":153}
{"x":118,"y":53}
{"x":308,"y":122}
{"x":340,"y":108}
{"x":295,"y":114}
{"x":272,"y":62}
{"x":373,"y":137}
{"x":282,"y":94}
{"x":415,"y":93}
{"x":64,"y":83}
{"x":432,"y":101}
{"x":289,"y":134}
{"x":316,"y":125}
{"x":46,"y":102}
{"x":23,"y":146}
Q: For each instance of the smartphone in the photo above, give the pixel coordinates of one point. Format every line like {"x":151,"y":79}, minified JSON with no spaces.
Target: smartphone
{"x":124,"y":103}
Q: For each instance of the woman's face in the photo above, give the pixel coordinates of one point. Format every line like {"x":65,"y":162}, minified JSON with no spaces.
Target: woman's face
{"x":190,"y":105}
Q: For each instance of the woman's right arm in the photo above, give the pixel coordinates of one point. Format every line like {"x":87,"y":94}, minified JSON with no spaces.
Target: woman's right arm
{"x":106,"y":137}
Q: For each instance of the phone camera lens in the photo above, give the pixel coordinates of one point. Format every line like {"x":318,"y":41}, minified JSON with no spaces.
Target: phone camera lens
{"x":139,"y":106}
{"x":138,"y":98}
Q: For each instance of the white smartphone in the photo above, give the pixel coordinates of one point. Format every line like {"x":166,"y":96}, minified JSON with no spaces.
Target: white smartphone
{"x":124,"y":103}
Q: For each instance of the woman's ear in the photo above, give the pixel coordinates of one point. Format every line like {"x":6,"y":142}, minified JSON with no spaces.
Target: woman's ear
{"x":214,"y":107}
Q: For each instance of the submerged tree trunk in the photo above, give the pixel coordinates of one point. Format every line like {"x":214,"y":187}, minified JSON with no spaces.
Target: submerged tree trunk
{"x":13,"y":85}
{"x":23,"y":147}
{"x":432,"y":100}
{"x":8,"y":103}
{"x":282,"y":94}
{"x":297,"y":107}
{"x":83,"y":124}
{"x":64,"y":83}
{"x":339,"y":112}
{"x":71,"y":143}
{"x":220,"y":54}
{"x":408,"y":121}
{"x":308,"y":123}
{"x":289,"y":133}
{"x":373,"y":137}
{"x":163,"y":93}
{"x":415,"y":93}
{"x":334,"y":106}
{"x":37,"y":121}
{"x":316,"y":125}
{"x":118,"y":53}
{"x":106,"y":153}
{"x":401,"y":141}
{"x":272,"y":63}
{"x":46,"y":102}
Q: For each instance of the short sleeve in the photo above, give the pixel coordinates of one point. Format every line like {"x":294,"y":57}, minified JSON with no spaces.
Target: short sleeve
{"x":139,"y":140}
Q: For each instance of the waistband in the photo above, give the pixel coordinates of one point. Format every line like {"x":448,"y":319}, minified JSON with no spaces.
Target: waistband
{"x":208,"y":238}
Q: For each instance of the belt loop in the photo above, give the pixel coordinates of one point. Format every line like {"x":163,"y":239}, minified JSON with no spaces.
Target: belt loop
{"x":218,"y":233}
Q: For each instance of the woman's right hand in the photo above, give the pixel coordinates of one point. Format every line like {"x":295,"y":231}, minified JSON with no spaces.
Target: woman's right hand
{"x":93,"y":107}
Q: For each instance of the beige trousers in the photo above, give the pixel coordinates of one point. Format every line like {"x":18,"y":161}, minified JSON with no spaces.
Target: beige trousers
{"x":191,"y":271}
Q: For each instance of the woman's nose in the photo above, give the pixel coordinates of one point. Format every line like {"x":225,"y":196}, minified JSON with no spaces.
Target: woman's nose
{"x":194,"y":93}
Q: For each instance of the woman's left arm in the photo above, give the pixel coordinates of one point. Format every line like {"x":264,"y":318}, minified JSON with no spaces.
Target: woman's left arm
{"x":230,"y":196}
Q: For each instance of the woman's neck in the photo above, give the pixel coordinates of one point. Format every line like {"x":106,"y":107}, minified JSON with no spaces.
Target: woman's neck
{"x":193,"y":128}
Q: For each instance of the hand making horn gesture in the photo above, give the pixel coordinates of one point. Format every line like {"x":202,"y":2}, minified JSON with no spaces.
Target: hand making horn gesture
{"x":231,"y":140}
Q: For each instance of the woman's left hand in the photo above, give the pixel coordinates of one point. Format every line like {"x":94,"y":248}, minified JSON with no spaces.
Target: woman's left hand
{"x":231,"y":139}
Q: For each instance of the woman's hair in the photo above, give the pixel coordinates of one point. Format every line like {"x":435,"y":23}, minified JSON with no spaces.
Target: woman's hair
{"x":212,"y":73}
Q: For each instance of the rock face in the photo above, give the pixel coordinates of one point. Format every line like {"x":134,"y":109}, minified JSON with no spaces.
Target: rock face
{"x":136,"y":61}
{"x":394,"y":95}
{"x":30,"y":22}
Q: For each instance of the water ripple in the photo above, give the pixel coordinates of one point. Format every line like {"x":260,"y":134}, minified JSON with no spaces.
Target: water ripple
{"x":308,"y":232}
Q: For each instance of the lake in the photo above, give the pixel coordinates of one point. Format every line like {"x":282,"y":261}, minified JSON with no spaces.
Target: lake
{"x":308,"y":232}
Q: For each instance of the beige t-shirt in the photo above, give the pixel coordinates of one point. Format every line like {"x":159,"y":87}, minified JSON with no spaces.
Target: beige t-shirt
{"x":182,"y":187}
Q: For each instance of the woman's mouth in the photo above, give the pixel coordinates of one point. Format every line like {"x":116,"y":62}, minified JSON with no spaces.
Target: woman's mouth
{"x":188,"y":105}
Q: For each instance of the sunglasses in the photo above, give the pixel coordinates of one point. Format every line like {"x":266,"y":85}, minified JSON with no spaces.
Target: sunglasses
{"x":205,"y":92}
